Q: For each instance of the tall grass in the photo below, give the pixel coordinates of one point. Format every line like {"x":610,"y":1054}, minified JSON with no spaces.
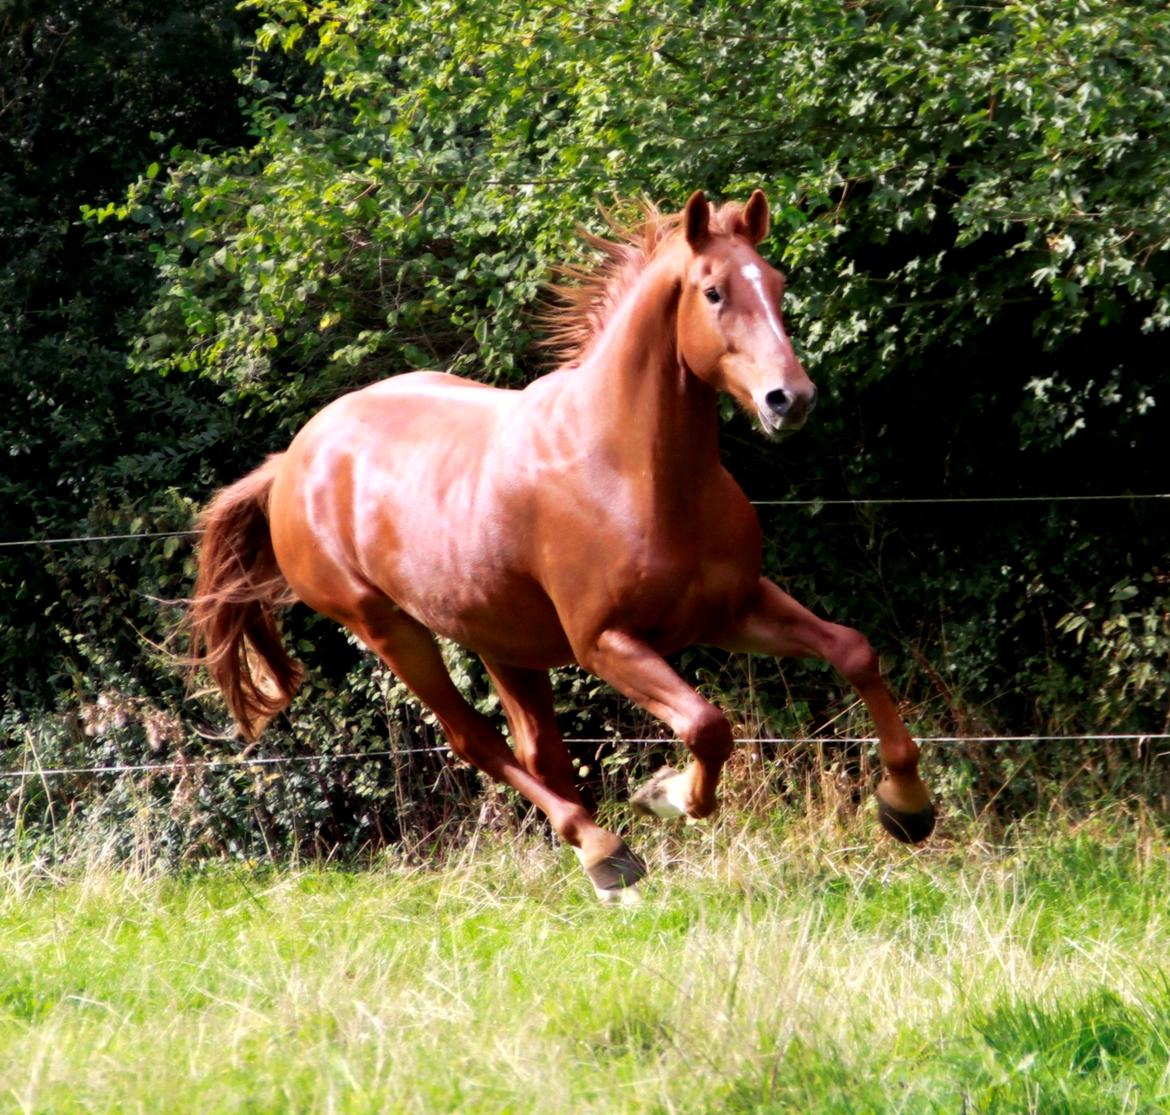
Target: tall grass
{"x":774,"y":965}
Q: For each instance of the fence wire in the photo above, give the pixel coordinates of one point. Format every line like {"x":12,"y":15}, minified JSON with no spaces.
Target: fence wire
{"x":240,"y":762}
{"x":179,"y":765}
{"x":891,"y":501}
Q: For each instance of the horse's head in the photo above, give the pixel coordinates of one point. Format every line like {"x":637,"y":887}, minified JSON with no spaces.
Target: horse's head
{"x":730,"y":332}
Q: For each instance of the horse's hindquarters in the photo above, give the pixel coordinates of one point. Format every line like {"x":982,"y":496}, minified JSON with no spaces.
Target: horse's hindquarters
{"x":397,"y":495}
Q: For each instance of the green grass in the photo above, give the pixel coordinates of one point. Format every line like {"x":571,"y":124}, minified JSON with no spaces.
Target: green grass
{"x":769,"y":968}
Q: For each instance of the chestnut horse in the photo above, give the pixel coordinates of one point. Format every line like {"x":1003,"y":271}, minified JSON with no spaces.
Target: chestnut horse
{"x":584,"y":519}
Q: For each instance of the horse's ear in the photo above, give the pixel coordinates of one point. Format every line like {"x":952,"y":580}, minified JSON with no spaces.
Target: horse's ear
{"x":696,"y":219}
{"x":756,"y":218}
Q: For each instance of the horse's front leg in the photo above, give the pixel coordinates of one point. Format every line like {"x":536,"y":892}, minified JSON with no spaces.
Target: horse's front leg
{"x":776,"y":624}
{"x":639,"y":672}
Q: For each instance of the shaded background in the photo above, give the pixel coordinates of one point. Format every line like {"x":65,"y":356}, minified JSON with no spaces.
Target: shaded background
{"x":214,"y":220}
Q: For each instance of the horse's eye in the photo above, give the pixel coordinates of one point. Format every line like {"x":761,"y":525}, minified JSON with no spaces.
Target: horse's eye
{"x":713,"y":294}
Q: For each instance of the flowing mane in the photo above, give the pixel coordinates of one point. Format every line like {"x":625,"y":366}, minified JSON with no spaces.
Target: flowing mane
{"x":587,"y":295}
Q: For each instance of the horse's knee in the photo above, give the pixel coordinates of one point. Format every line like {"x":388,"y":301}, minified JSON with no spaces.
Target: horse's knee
{"x":853,"y":657}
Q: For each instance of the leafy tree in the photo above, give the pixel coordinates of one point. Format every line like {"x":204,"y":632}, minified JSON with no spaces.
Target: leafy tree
{"x":90,"y":94}
{"x":972,"y":205}
{"x":282,"y":203}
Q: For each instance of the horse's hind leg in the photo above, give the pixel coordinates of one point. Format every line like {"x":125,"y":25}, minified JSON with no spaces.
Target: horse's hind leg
{"x":409,"y":650}
{"x":778,"y":625}
{"x":527,"y":698}
{"x":528,"y":704}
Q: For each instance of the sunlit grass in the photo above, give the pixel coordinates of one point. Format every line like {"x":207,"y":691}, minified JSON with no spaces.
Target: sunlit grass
{"x":797,"y":966}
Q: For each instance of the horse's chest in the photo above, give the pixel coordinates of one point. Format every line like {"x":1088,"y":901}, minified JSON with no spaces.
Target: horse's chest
{"x":676,"y":600}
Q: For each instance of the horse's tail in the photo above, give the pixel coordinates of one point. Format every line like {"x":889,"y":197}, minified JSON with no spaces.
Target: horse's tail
{"x":232,"y":616}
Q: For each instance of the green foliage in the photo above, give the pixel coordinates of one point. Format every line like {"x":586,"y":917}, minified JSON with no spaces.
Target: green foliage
{"x":1127,"y":641}
{"x":88,"y":94}
{"x":972,"y":204}
{"x":976,"y":193}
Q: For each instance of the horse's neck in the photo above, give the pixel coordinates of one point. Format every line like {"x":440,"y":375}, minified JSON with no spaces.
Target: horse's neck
{"x":657,"y":420}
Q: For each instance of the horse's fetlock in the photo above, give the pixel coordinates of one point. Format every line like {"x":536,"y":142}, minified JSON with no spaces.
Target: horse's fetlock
{"x":575,"y":824}
{"x":901,"y":761}
{"x":700,"y":810}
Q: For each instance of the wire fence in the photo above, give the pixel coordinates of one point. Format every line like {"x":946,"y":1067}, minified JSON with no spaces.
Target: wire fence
{"x":242,"y":761}
{"x":101,"y":538}
{"x":180,"y":764}
{"x":817,"y":502}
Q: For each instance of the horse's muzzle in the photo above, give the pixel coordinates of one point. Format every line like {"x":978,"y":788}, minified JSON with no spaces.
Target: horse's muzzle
{"x":786,"y":410}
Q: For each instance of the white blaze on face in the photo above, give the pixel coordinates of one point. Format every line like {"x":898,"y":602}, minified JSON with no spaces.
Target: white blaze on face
{"x":756,"y":277}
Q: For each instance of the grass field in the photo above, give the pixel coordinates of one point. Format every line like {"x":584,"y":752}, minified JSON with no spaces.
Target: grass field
{"x":772,"y":966}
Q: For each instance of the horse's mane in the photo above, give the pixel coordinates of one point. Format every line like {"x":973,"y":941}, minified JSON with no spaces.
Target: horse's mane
{"x":588,"y":294}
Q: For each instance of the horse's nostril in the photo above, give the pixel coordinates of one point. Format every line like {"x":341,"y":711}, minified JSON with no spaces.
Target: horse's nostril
{"x":812,"y":401}
{"x":778,"y":401}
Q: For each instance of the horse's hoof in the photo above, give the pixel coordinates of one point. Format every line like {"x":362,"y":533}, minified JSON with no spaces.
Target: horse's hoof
{"x":615,"y":875}
{"x":665,"y":795}
{"x":910,"y":827}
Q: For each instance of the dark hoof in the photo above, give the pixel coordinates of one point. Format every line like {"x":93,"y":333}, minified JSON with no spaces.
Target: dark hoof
{"x":616,"y":872}
{"x":909,"y":828}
